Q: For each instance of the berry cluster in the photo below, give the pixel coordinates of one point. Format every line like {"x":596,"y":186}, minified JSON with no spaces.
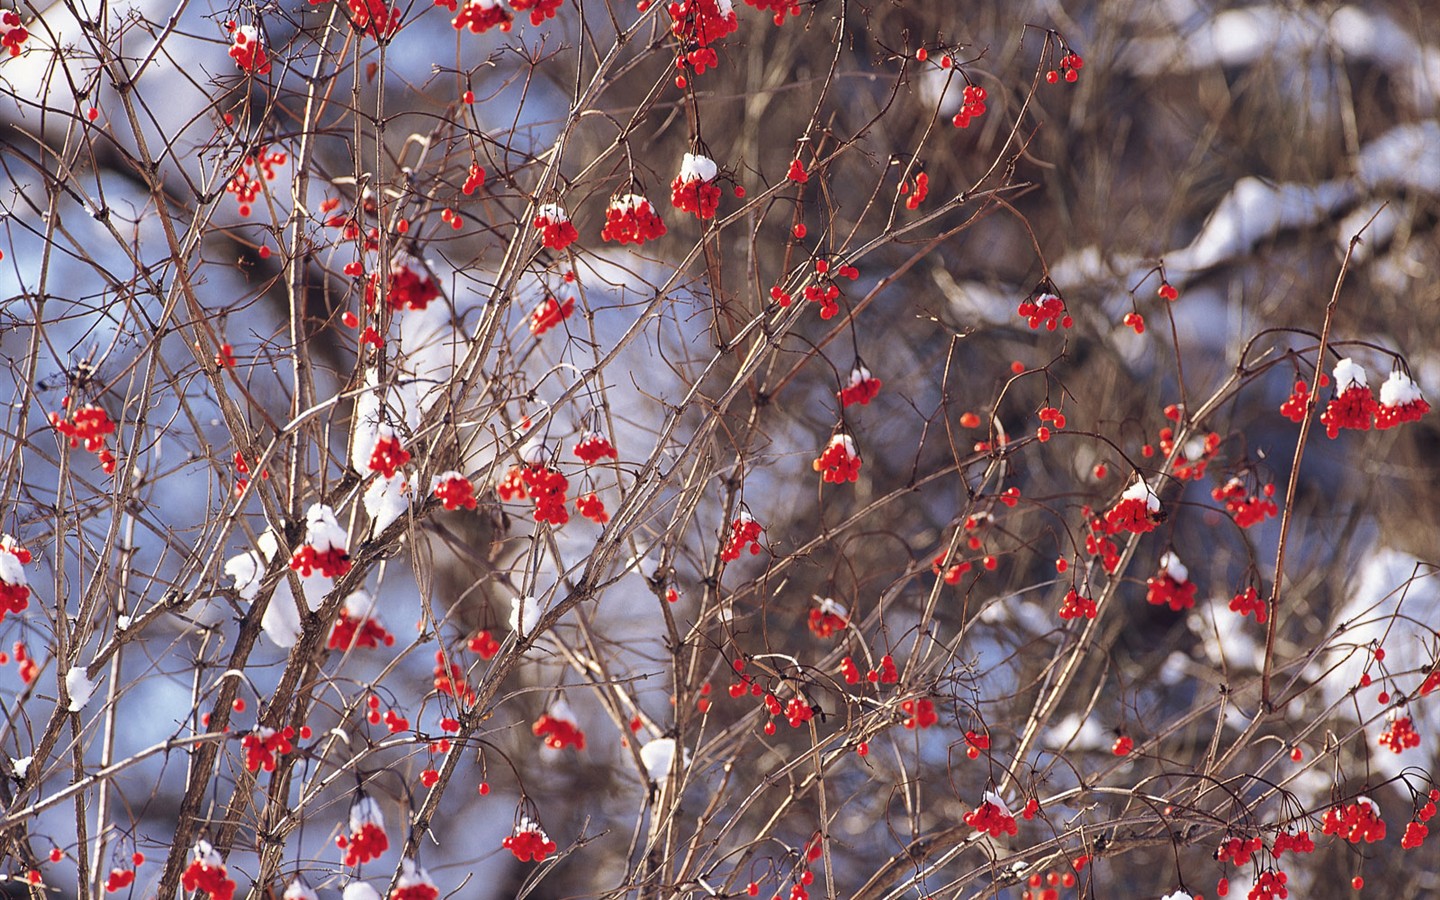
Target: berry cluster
{"x":14,"y":587}
{"x":449,"y":679}
{"x":1047,"y":309}
{"x":484,"y":644}
{"x":1399,"y":734}
{"x":1070,"y":66}
{"x":1353,"y":406}
{"x":1400,"y":402}
{"x":972,"y":107}
{"x":797,"y":711}
{"x":1249,"y":601}
{"x":539,"y":10}
{"x":1098,"y":544}
{"x":702,"y":22}
{"x":1171,"y":585}
{"x":479,"y":15}
{"x":559,"y":730}
{"x":389,"y":454}
{"x":828,"y":619}
{"x":592,"y":507}
{"x":594,"y":446}
{"x":744,"y":531}
{"x":630,"y":219}
{"x":779,"y":7}
{"x":245,"y":186}
{"x":118,"y":880}
{"x":549,"y":313}
{"x":1294,"y":406}
{"x":1076,"y":606}
{"x":840,"y":461}
{"x":12,"y":34}
{"x":694,"y":189}
{"x":373,"y":18}
{"x":367,"y":839}
{"x":90,"y":424}
{"x":862,"y":387}
{"x":324,"y":547}
{"x":975,"y":744}
{"x":919,"y":713}
{"x":1191,"y":462}
{"x":1239,"y":850}
{"x":544,"y":485}
{"x":1294,"y":841}
{"x":264,"y":744}
{"x":246,"y":50}
{"x":411,"y":287}
{"x":1356,"y":822}
{"x":556,"y":230}
{"x":1247,"y":510}
{"x":1270,"y":885}
{"x":950,"y":572}
{"x":474,"y":179}
{"x":206,"y":873}
{"x":357,"y":626}
{"x":529,"y":841}
{"x":454,"y":490}
{"x":922,"y":190}
{"x":992,"y":816}
{"x":1138,"y":510}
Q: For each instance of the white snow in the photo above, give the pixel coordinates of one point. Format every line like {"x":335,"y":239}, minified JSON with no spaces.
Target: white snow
{"x":299,"y":890}
{"x":524,"y":615}
{"x":657,"y":756}
{"x":995,"y":800}
{"x":359,"y":890}
{"x":698,"y":167}
{"x":386,"y":499}
{"x":1399,"y":390}
{"x":555,"y":214}
{"x":1139,"y":490}
{"x":11,"y":572}
{"x":79,"y":686}
{"x":365,"y":811}
{"x":1349,"y":374}
{"x":322,"y":530}
{"x":1171,"y":565}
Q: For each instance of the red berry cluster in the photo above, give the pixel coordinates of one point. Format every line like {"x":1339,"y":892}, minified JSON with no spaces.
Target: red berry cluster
{"x":1414,"y":836}
{"x":1247,"y":510}
{"x":1294,"y":841}
{"x":702,"y":22}
{"x":479,"y":15}
{"x":1163,"y":589}
{"x":1070,"y":66}
{"x":1399,"y":734}
{"x":246,"y":186}
{"x":1098,"y":544}
{"x":356,"y":631}
{"x":558,"y":732}
{"x":1076,"y":606}
{"x":474,"y":179}
{"x":549,"y":313}
{"x":1123,"y":745}
{"x":246,"y":50}
{"x":373,"y":18}
{"x":367,"y":839}
{"x":1045,"y":308}
{"x":529,"y":841}
{"x":1353,"y":406}
{"x":544,"y":485}
{"x":1138,"y":510}
{"x":118,"y":880}
{"x":1270,"y":885}
{"x":744,"y":531}
{"x":14,"y":589}
{"x":206,"y":873}
{"x":1168,"y":292}
{"x":975,"y":744}
{"x":389,"y":454}
{"x":592,"y":507}
{"x":779,"y":7}
{"x":992,"y":817}
{"x":797,"y":173}
{"x":828,"y":619}
{"x":1249,"y":601}
{"x":630,"y":219}
{"x":556,"y":230}
{"x":539,"y":10}
{"x":950,"y":572}
{"x":973,"y":106}
{"x":594,"y":446}
{"x":696,"y":196}
{"x":91,"y":424}
{"x":797,"y":712}
{"x":484,"y":644}
{"x":12,"y":34}
{"x":264,"y":744}
{"x":1400,"y":402}
{"x":450,"y":680}
{"x":1294,"y":406}
{"x":1356,"y":822}
{"x":409,"y":288}
{"x":919,"y":713}
{"x":1239,"y":850}
{"x":863,"y":387}
{"x":840,"y":461}
{"x":454,"y":490}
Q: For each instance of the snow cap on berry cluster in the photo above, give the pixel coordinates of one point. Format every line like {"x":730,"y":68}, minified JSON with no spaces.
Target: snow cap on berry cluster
{"x":1178,"y":895}
{"x":1349,"y":374}
{"x":829,"y":607}
{"x":359,"y":890}
{"x":386,"y":500}
{"x":553,"y":212}
{"x":657,"y":755}
{"x":365,"y":811}
{"x":1171,"y":565}
{"x":1139,"y":490}
{"x":994,"y":800}
{"x":322,"y":530}
{"x":859,"y":375}
{"x":412,"y":875}
{"x":1398,"y":390}
{"x":527,"y":824}
{"x":843,"y":439}
{"x":630,"y":201}
{"x":695,"y":167}
{"x":360,"y":604}
{"x":11,"y":571}
{"x":205,"y":854}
